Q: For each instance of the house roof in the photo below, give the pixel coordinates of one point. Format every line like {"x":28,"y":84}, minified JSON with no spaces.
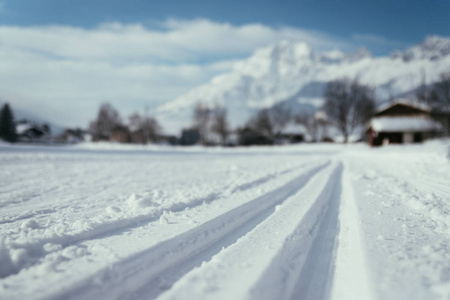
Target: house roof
{"x":404,"y":124}
{"x":294,"y":129}
{"x":403,"y":107}
{"x":22,"y":128}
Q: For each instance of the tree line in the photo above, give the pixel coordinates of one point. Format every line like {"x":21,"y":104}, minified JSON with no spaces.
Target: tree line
{"x":109,"y":126}
{"x":348,"y":104}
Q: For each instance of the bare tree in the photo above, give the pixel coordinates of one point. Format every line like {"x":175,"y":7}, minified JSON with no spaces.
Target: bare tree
{"x":147,"y":126}
{"x":270,"y":122}
{"x":315,"y":124}
{"x":151,"y":129}
{"x":280,"y":117}
{"x":348,"y":104}
{"x":107,"y":119}
{"x":262,"y":124}
{"x":135,"y":122}
{"x":220,"y":124}
{"x":438,"y":95}
{"x":422,"y":93}
{"x":202,"y":118}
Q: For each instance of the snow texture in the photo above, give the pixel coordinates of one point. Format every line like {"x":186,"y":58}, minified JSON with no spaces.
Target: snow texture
{"x":100,"y":221}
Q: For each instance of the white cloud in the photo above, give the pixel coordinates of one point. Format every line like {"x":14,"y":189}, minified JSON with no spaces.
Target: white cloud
{"x":62,"y":73}
{"x":177,"y":41}
{"x":375,"y":40}
{"x":207,"y":37}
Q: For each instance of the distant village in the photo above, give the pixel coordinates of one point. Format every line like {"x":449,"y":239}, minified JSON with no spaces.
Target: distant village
{"x":349,"y":107}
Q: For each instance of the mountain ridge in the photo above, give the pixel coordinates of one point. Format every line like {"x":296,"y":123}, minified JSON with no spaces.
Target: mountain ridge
{"x":293,"y":72}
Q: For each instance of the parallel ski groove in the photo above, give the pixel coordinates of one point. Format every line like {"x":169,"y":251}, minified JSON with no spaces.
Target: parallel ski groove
{"x":122,"y":225}
{"x":144,"y":270}
{"x":302,"y":242}
{"x":308,"y":252}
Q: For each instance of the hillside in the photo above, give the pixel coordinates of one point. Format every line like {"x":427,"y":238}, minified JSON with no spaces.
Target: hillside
{"x":293,"y":73}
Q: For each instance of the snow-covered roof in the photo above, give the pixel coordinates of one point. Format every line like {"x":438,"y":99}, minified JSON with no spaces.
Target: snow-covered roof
{"x":406,"y":102}
{"x":21,"y":128}
{"x":404,"y":124}
{"x":294,"y":129}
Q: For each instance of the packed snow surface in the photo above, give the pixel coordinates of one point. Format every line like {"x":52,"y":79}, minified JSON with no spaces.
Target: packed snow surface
{"x":293,"y":222}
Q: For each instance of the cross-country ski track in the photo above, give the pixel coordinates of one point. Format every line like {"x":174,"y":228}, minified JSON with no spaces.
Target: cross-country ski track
{"x":303,"y":223}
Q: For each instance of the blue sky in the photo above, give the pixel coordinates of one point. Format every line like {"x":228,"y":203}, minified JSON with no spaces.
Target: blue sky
{"x":61,"y":58}
{"x":397,"y":23}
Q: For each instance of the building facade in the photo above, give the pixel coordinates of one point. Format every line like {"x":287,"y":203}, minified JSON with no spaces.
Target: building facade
{"x":402,"y":123}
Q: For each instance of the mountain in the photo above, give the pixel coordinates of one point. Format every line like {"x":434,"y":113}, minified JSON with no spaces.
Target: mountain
{"x":293,"y":74}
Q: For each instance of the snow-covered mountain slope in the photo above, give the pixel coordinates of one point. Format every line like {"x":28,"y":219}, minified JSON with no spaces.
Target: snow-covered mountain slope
{"x":294,"y":73}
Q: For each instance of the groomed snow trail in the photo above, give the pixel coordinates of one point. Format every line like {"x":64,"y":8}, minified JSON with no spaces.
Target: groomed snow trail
{"x":305,"y":222}
{"x":169,"y":259}
{"x":272,"y":268}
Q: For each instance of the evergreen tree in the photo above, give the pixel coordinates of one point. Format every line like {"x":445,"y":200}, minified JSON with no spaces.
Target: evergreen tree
{"x":7,"y":125}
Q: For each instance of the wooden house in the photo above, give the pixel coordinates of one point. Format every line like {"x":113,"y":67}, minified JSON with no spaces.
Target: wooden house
{"x":292,"y":134}
{"x":402,"y":123}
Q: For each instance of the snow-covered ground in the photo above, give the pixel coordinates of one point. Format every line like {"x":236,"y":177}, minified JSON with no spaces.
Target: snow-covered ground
{"x":294,"y":222}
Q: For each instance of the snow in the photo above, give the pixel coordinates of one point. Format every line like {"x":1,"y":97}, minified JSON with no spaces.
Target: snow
{"x":404,"y":124}
{"x":21,"y":128}
{"x":434,"y":47}
{"x":292,"y":72}
{"x":405,"y":101}
{"x":147,"y":222}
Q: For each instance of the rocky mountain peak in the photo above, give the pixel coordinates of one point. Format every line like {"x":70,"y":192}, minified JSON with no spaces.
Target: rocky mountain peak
{"x":292,"y":73}
{"x":433,"y":48}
